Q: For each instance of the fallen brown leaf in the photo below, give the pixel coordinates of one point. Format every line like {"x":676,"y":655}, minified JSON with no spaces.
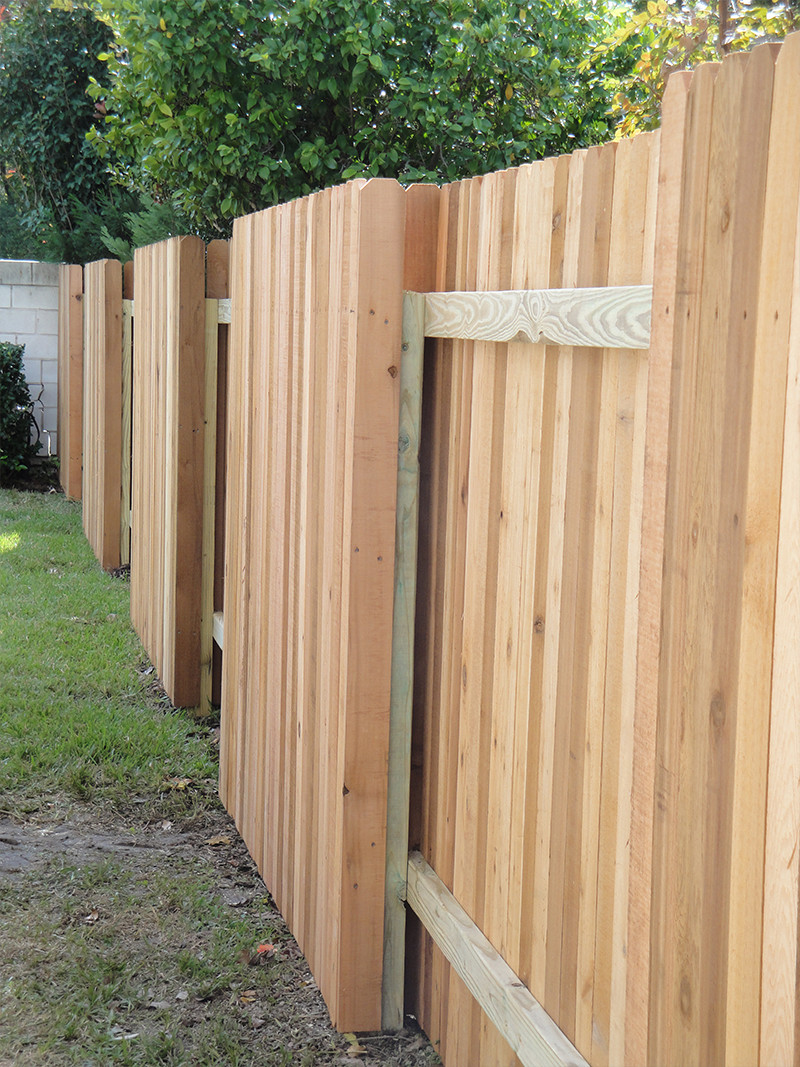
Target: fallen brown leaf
{"x":220,"y":839}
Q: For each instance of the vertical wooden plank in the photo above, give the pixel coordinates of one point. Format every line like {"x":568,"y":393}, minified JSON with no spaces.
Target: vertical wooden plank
{"x":429,"y":654}
{"x":102,"y":430}
{"x":779,"y":1011}
{"x":766,"y":330}
{"x":422,"y":209}
{"x":70,"y":378}
{"x":547,"y":584}
{"x":127,"y":414}
{"x":632,"y":407}
{"x":664,"y":928}
{"x":664,"y":324}
{"x":372,"y":518}
{"x":399,"y":768}
{"x":526,"y":387}
{"x":218,"y":266}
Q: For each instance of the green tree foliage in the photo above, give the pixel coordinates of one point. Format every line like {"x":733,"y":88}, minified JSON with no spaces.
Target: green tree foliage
{"x":228,"y":106}
{"x":667,"y":37}
{"x":48,"y":54}
{"x":16,"y":413}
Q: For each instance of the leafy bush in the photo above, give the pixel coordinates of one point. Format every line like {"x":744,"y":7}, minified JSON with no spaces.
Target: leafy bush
{"x":16,"y":413}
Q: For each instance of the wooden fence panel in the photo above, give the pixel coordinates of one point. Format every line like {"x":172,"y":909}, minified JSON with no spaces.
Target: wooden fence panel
{"x":102,"y":410}
{"x":311,"y":481}
{"x":169,"y":418}
{"x":724,"y":908}
{"x":529,"y":562}
{"x":70,"y":379}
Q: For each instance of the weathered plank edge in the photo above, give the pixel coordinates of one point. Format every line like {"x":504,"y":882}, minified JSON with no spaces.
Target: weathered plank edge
{"x":399,"y":778}
{"x":601,"y":317}
{"x":516,"y":1013}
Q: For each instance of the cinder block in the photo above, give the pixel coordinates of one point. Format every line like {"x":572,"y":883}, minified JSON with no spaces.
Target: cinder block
{"x":34,"y":296}
{"x":47,"y":394}
{"x":49,"y":370}
{"x":15,"y":271}
{"x":47,"y":323}
{"x":5,"y":296}
{"x":33,"y":369}
{"x":45,"y":274}
{"x":41,"y":346}
{"x":16,"y":321}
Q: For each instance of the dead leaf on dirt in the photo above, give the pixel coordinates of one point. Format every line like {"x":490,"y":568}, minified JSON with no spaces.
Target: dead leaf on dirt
{"x":166,"y":825}
{"x":248,"y":996}
{"x":219,"y":839}
{"x":266,"y":950}
{"x":159,"y":1005}
{"x":182,"y":995}
{"x":91,"y":918}
{"x":355,"y":1048}
{"x":234,"y":899}
{"x":177,"y":783}
{"x":257,"y":1023}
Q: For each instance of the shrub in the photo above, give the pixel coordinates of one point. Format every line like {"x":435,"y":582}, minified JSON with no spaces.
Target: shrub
{"x":16,"y":413}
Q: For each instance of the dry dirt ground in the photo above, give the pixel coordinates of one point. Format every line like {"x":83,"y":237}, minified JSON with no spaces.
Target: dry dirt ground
{"x":67,"y":872}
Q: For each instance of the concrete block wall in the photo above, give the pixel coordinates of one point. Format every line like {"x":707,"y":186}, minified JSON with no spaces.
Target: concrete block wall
{"x":29,"y":316}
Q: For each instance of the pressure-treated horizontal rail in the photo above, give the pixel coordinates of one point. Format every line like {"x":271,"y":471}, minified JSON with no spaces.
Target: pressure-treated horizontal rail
{"x":516,"y":1013}
{"x":607,"y":317}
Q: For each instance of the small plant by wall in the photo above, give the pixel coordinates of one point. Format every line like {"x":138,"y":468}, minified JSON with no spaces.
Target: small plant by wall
{"x":16,"y":414}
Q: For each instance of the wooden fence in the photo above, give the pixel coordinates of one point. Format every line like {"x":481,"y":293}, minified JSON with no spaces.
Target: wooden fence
{"x":591,"y":803}
{"x":106,"y":449}
{"x":529,"y":562}
{"x":312,"y":451}
{"x":70,"y":379}
{"x":174,"y":493}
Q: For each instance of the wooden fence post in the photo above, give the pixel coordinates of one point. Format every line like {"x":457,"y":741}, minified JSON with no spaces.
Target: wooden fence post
{"x":70,"y":379}
{"x":102,"y":411}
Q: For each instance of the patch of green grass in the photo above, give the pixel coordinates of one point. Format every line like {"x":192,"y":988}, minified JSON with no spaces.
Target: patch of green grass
{"x":79,"y":989}
{"x":76,"y":717}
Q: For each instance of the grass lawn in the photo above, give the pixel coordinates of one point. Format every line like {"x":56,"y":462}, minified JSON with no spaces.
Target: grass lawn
{"x":134,"y":928}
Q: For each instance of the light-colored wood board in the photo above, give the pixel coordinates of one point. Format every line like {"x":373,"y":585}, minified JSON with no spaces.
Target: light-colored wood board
{"x":402,"y":671}
{"x":673,"y":591}
{"x":70,"y":377}
{"x":531,"y":267}
{"x":370,"y":503}
{"x":778,"y":1038}
{"x":597,"y":317}
{"x":520,"y":1018}
{"x":670,"y":166}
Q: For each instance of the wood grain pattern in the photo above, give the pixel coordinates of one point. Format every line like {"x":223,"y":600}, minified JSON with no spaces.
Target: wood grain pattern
{"x":530,"y":561}
{"x":309,"y":572}
{"x":525,"y":1025}
{"x":102,"y":414}
{"x":600,"y":317}
{"x":70,"y":379}
{"x":168,"y":461}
